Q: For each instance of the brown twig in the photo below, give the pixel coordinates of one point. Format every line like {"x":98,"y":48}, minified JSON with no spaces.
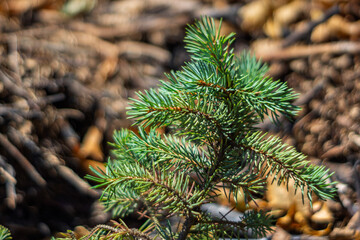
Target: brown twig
{"x":69,"y":175}
{"x":8,"y":173}
{"x":135,"y":27}
{"x":142,"y":50}
{"x":308,"y":96}
{"x":43,"y":101}
{"x":17,"y":114}
{"x":299,"y":51}
{"x":304,"y":32}
{"x":189,"y":222}
{"x":31,"y":44}
{"x":356,"y":174}
{"x":66,"y":113}
{"x":69,"y":135}
{"x":22,"y":160}
{"x":50,"y":160}
{"x":12,"y":83}
{"x":13,"y":55}
{"x":38,"y":32}
{"x":12,"y":86}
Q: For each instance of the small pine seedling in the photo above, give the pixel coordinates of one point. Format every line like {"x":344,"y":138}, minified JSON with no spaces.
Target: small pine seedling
{"x":211,"y":108}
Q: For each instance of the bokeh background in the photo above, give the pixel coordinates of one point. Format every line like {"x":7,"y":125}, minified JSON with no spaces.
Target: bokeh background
{"x":68,"y":68}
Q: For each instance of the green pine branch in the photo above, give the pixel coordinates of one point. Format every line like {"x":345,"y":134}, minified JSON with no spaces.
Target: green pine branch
{"x":261,"y":92}
{"x":204,"y":41}
{"x":169,"y":189}
{"x":195,"y":115}
{"x":211,"y":107}
{"x":282,"y":162}
{"x":170,"y":151}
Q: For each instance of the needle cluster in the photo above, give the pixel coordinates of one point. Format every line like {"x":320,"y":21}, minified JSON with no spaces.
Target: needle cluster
{"x":211,"y":108}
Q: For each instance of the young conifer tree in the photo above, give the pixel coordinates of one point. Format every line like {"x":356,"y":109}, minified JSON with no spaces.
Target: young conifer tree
{"x":211,"y":106}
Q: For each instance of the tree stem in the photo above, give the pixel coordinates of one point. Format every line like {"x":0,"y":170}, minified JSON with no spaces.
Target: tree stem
{"x":190,"y":220}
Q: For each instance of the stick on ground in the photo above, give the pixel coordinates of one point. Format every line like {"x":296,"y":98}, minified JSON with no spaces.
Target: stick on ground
{"x":22,"y":160}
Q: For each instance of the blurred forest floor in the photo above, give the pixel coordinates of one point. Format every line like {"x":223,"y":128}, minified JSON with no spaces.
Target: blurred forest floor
{"x":67,"y":69}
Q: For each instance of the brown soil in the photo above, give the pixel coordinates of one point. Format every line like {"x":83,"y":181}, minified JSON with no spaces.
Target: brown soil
{"x":67,"y":72}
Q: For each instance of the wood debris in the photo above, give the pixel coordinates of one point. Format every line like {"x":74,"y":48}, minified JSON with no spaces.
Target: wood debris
{"x":67,"y":69}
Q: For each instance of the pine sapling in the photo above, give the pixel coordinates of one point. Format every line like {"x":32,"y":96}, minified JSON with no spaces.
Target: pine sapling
{"x":210,"y":109}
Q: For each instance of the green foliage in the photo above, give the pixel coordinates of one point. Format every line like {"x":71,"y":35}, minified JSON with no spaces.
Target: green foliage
{"x":4,"y":233}
{"x":211,"y":107}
